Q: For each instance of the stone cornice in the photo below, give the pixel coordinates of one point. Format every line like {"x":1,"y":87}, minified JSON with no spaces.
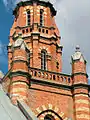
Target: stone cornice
{"x":59,"y":85}
{"x":80,"y":73}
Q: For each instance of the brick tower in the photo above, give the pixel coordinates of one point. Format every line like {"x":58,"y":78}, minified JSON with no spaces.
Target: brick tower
{"x":35,"y":66}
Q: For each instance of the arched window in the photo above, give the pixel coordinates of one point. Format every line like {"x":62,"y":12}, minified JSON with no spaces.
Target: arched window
{"x":49,"y":117}
{"x":43,"y":59}
{"x":41,"y":17}
{"x":28,"y":17}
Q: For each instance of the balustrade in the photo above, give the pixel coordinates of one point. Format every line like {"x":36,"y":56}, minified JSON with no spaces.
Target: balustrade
{"x":47,"y":75}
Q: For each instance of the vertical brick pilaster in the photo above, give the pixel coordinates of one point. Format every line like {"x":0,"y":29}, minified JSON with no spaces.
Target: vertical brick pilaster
{"x":53,"y":60}
{"x":81,"y":103}
{"x":35,"y":45}
{"x":35,"y":20}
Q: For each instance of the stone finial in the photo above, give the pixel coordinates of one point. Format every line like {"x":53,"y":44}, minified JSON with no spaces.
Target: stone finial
{"x":78,"y":55}
{"x":77,"y":48}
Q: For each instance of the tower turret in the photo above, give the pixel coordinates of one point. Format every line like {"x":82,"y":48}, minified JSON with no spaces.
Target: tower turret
{"x":80,"y":86}
{"x":35,"y":20}
{"x":19,"y":72}
{"x":79,"y":67}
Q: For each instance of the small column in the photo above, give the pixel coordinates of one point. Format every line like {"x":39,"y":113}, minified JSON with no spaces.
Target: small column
{"x":80,"y":86}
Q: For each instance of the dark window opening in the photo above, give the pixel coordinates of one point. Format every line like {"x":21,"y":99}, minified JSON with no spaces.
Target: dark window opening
{"x":54,"y":77}
{"x":39,"y":29}
{"x":57,"y":77}
{"x":49,"y":117}
{"x":26,"y":30}
{"x":41,"y":17}
{"x":30,"y":29}
{"x":28,"y":17}
{"x":57,"y":65}
{"x":43,"y":30}
{"x":47,"y":31}
{"x":23,"y":31}
{"x":69,"y":80}
{"x":43,"y":60}
{"x":35,"y":73}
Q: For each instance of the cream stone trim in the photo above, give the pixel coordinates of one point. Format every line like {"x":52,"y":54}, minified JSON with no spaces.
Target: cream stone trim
{"x":19,"y":83}
{"x":19,"y":57}
{"x":24,"y":12}
{"x":82,"y":101}
{"x":56,"y":109}
{"x":31,"y":10}
{"x":82,"y":109}
{"x":38,"y":10}
{"x":83,"y":116}
{"x":27,"y":7}
{"x":26,"y":35}
{"x":41,"y":118}
{"x":78,"y":95}
{"x":38,"y":110}
{"x":17,"y":90}
{"x":50,"y":107}
{"x":41,"y":7}
{"x":43,"y":48}
{"x":44,"y":107}
{"x":61,"y":114}
{"x":19,"y":70}
{"x":16,"y":95}
{"x":65,"y":118}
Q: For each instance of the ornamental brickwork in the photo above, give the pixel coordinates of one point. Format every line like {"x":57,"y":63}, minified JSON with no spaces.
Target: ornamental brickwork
{"x":35,"y":66}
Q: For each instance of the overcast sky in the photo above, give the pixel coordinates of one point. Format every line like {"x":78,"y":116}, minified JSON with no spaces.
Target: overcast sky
{"x":73,"y":20}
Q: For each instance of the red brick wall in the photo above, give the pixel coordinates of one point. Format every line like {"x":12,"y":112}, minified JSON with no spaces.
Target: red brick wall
{"x":45,"y":95}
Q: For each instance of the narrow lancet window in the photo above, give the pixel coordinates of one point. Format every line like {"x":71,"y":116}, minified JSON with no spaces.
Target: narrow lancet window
{"x":43,"y":60}
{"x":41,"y":17}
{"x":28,"y":57}
{"x":28,"y":17}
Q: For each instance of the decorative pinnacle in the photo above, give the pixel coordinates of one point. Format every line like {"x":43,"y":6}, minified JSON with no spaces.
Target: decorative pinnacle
{"x":77,"y":48}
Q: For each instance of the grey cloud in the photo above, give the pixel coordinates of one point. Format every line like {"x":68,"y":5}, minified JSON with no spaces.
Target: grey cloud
{"x":73,"y":20}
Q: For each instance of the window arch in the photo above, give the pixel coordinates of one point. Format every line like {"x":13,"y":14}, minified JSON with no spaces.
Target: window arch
{"x":41,"y":17}
{"x":28,"y":17}
{"x":49,"y":115}
{"x":43,"y":60}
